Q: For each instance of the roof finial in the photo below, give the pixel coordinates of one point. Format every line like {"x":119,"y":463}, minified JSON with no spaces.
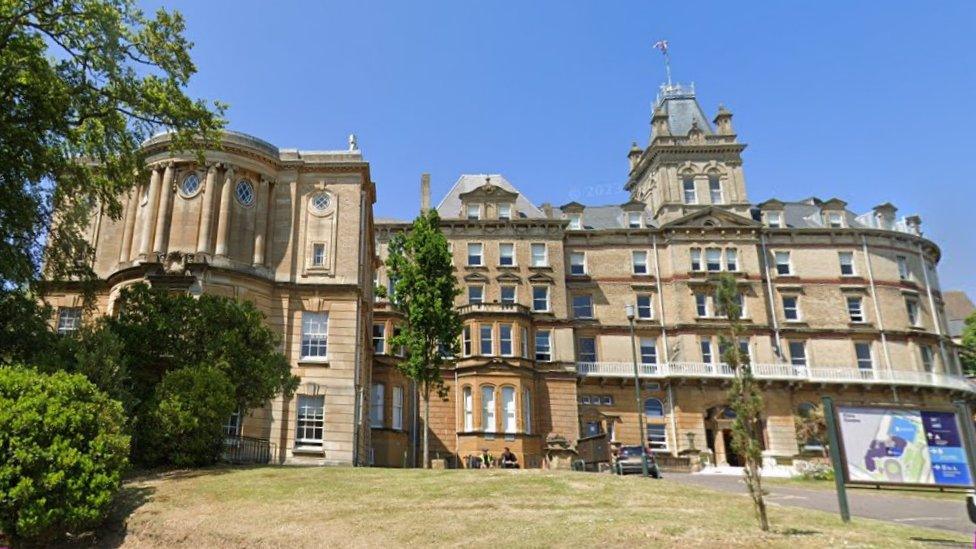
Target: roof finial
{"x":353,"y":143}
{"x":663,"y":46}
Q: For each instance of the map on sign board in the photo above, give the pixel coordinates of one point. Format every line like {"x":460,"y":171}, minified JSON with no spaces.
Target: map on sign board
{"x":892,"y":445}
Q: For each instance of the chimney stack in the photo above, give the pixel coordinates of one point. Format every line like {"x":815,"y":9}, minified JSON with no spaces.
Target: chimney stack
{"x":424,"y":192}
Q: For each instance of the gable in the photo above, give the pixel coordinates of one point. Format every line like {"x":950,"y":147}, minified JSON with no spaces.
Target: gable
{"x":714,"y":217}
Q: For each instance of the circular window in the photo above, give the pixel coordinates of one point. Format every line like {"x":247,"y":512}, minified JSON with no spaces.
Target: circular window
{"x":244,"y":192}
{"x":320,"y":202}
{"x":190,"y":185}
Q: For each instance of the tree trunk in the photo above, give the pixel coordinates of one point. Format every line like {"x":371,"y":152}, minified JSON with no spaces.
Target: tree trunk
{"x":426,"y":424}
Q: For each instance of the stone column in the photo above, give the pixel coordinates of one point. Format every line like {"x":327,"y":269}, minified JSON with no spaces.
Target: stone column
{"x":149,"y":220}
{"x":129,"y":223}
{"x":206,"y":214}
{"x":162,"y":218}
{"x":261,"y":220}
{"x":223,"y":230}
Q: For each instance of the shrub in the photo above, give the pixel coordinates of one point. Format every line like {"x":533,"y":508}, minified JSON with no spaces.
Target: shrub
{"x":62,"y":453}
{"x":186,"y":422}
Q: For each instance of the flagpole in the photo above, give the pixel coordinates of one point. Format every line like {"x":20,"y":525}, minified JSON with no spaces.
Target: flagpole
{"x":667,"y":66}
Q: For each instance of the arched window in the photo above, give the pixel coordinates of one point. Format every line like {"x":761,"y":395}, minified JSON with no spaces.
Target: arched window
{"x":468,"y":410}
{"x":508,"y":408}
{"x":653,"y":408}
{"x":488,"y":409}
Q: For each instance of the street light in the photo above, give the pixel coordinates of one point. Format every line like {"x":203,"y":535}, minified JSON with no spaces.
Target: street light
{"x":637,"y":391}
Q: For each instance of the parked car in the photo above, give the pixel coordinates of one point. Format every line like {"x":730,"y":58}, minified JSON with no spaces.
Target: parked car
{"x":629,"y":461}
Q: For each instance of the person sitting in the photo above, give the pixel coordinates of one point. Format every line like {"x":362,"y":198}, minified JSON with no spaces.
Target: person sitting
{"x":509,"y":461}
{"x":487,"y":461}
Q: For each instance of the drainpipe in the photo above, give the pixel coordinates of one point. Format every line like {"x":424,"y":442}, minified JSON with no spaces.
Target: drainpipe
{"x":874,"y":299}
{"x":769,"y":295}
{"x":457,"y":404}
{"x":660,"y":301}
{"x":935,"y":312}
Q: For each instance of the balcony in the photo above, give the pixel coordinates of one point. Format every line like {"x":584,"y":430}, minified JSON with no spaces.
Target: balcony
{"x":783,"y":371}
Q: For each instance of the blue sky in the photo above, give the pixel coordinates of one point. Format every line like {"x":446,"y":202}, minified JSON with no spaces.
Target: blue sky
{"x":834,"y":98}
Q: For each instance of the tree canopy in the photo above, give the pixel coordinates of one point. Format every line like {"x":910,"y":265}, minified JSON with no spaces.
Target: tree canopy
{"x":967,"y":354}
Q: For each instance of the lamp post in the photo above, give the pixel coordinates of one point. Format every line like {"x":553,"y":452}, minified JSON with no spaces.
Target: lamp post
{"x":637,"y":391}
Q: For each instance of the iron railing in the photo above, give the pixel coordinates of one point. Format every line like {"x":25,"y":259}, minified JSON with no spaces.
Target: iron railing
{"x":247,"y":450}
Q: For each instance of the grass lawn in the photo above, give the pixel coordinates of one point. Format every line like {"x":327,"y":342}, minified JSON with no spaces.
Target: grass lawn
{"x":314,"y":507}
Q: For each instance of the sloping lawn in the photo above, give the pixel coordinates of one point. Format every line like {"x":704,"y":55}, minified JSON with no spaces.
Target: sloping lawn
{"x":315,"y":507}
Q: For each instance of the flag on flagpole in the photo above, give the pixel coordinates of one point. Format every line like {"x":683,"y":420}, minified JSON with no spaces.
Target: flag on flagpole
{"x":661,"y":45}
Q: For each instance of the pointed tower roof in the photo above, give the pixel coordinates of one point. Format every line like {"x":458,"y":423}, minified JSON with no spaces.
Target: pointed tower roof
{"x":678,"y":102}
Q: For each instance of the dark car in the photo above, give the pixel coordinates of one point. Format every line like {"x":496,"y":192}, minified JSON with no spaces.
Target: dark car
{"x":629,"y":461}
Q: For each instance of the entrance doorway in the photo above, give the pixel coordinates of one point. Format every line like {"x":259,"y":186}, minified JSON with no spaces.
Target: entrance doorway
{"x":718,"y":432}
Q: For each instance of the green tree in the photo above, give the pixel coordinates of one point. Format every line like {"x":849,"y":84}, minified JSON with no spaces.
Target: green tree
{"x":967,"y":353}
{"x":424,"y":289}
{"x":62,"y":454}
{"x":82,"y":83}
{"x":811,"y":427}
{"x":744,"y":397}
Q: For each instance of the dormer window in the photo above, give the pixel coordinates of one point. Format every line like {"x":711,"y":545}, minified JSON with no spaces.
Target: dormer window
{"x":575,"y":221}
{"x":835,"y":220}
{"x":504,"y":211}
{"x":474,"y":211}
{"x":635,"y":220}
{"x":774,"y":220}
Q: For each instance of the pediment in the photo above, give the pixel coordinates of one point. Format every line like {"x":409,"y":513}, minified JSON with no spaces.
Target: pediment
{"x":772,"y":204}
{"x":541,"y":278}
{"x":712,"y":217}
{"x":508,"y":277}
{"x":633,"y":205}
{"x":574,"y":207}
{"x":834,"y":204}
{"x":489,"y":193}
{"x":475,"y":277}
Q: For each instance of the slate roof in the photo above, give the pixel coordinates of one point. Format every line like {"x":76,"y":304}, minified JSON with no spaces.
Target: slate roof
{"x":808,"y":214}
{"x":683,"y":110}
{"x":450,"y":206}
{"x":605,"y":217}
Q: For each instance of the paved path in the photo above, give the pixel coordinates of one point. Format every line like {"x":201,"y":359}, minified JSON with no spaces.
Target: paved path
{"x":942,"y":514}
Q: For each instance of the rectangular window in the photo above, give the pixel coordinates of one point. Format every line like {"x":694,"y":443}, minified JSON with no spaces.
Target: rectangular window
{"x":466,"y":341}
{"x":398,"y":408}
{"x":468,"y":410}
{"x":505,"y":339}
{"x":488,"y":409}
{"x":315,"y":328}
{"x":644,"y":308}
{"x":310,"y":422}
{"x":863,"y":353}
{"x":583,"y":306}
{"x":540,"y":298}
{"x":635,"y":220}
{"x":508,"y":295}
{"x":835,"y":220}
{"x":791,"y":310}
{"x":593,"y":428}
{"x":587,"y":349}
{"x":715,"y":190}
{"x":706,"y":350}
{"x":318,"y":254}
{"x":774,"y":220}
{"x":731,"y":259}
{"x":543,"y":345}
{"x":476,"y":294}
{"x":475,"y":254}
{"x":233,"y":426}
{"x":506,"y":254}
{"x":69,"y":320}
{"x":401,"y":350}
{"x":696,"y":264}
{"x":927,"y":358}
{"x":524,"y":339}
{"x":379,"y":338}
{"x":657,"y":438}
{"x":783,"y":266}
{"x":577,"y":263}
{"x":504,"y":211}
{"x":798,"y":353}
{"x":509,"y":425}
{"x":713,"y":259}
{"x":846,"y":263}
{"x":688,"y":187}
{"x":903,"y":272}
{"x":911,"y":307}
{"x":648,"y":351}
{"x":575,"y":221}
{"x":854,"y":309}
{"x":639,"y":262}
{"x":474,"y":211}
{"x":540,"y":257}
{"x":391,"y":288}
{"x":486,"y":343}
{"x":701,"y":305}
{"x":376,"y":406}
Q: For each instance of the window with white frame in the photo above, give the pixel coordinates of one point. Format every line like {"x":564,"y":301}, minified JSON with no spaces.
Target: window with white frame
{"x":835,"y":220}
{"x":587,"y":349}
{"x":846,"y":260}
{"x":310,"y":420}
{"x":701,"y":305}
{"x":713,"y":259}
{"x":398,"y":408}
{"x":575,"y":221}
{"x":486,"y":340}
{"x":379,"y":338}
{"x":474,"y":211}
{"x":715,"y":190}
{"x":505,"y":340}
{"x":783,"y":265}
{"x":376,"y":405}
{"x":543,"y":345}
{"x":862,"y":352}
{"x":318,"y":254}
{"x":731,"y":259}
{"x":527,"y":411}
{"x":509,"y":425}
{"x":911,"y":307}
{"x":635,"y":220}
{"x":583,"y":306}
{"x":798,"y":353}
{"x":696,"y":264}
{"x":657,"y":437}
{"x":506,"y":254}
{"x":466,"y":341}
{"x":505,"y":211}
{"x":645,"y":309}
{"x":648,"y":350}
{"x":577,"y":263}
{"x":508,"y":295}
{"x":791,"y":308}
{"x":903,"y":272}
{"x":468,"y":400}
{"x":488,"y":409}
{"x":476,"y":294}
{"x":540,"y":256}
{"x":232,"y":428}
{"x":928,"y":358}
{"x":315,"y":338}
{"x":774,"y":220}
{"x":69,"y":320}
{"x":540,"y":298}
{"x":705,"y":344}
{"x":475,"y":254}
{"x":688,"y":188}
{"x":854,"y":309}
{"x":639,"y":262}
{"x":524,"y":340}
